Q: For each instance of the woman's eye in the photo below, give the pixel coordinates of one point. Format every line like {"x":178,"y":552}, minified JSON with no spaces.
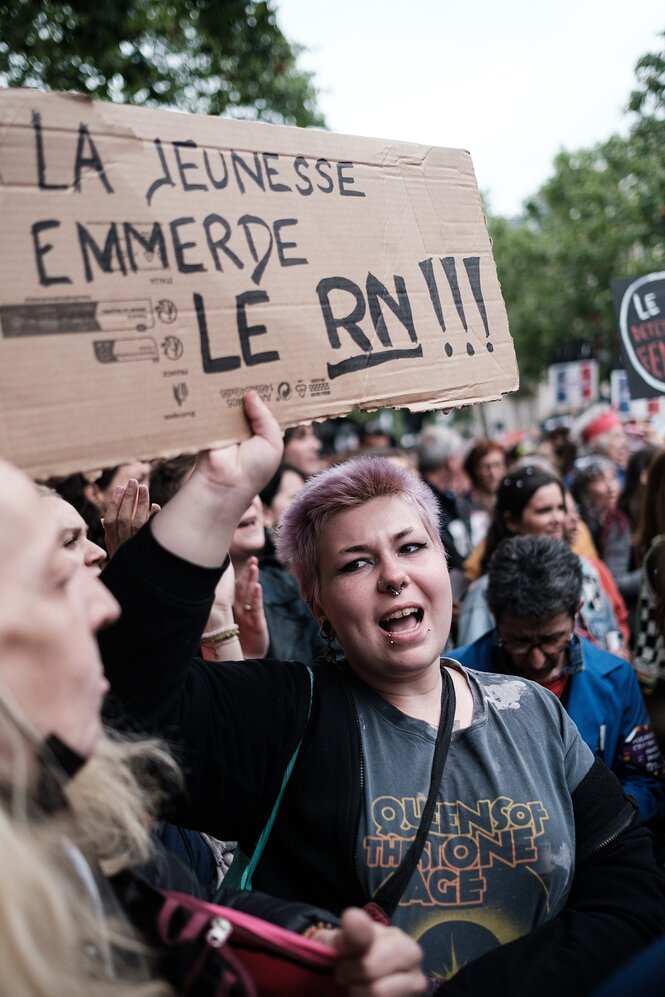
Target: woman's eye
{"x":411,"y":548}
{"x":352,"y":566}
{"x":70,"y":541}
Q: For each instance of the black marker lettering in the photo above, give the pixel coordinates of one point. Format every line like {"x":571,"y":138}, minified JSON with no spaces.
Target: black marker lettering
{"x":217,"y":184}
{"x":345,"y":182}
{"x":165,"y":179}
{"x":299,"y":164}
{"x":216,"y":365}
{"x":348,"y":322}
{"x":366,"y":360}
{"x":183,"y":167}
{"x":237,"y":161}
{"x":41,"y":158}
{"x":42,"y":250}
{"x":472,"y":267}
{"x":369,"y":357}
{"x":325,"y":176}
{"x":450,"y":270}
{"x":427,"y":269}
{"x":215,"y":244}
{"x":104,"y":257}
{"x":153,"y":244}
{"x":272,"y":172}
{"x":286,"y":261}
{"x":93,"y":160}
{"x":180,"y":247}
{"x":246,"y":331}
{"x":262,"y":263}
{"x":376,"y":291}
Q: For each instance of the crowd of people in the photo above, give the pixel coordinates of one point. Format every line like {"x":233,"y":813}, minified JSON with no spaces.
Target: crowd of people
{"x":406,"y":701}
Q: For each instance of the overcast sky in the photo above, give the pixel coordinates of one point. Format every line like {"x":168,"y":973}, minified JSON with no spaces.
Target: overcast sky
{"x":513,"y":81}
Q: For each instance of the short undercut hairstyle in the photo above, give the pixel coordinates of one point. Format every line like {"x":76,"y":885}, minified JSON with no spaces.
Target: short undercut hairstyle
{"x":336,"y":489}
{"x":535,"y":578}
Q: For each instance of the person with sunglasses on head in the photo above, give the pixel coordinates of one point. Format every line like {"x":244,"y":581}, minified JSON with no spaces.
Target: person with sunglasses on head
{"x":534,"y":592}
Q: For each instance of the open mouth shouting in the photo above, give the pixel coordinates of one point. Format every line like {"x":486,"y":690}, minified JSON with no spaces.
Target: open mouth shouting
{"x":403,"y":623}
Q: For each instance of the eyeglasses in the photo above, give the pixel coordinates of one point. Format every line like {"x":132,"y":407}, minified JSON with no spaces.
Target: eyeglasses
{"x":550,"y":645}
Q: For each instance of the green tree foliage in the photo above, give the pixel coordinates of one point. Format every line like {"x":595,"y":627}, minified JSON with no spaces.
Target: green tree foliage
{"x":601,"y":216}
{"x":205,"y":56}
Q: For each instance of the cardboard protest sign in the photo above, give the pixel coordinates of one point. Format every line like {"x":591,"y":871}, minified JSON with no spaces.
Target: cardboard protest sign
{"x":155,"y":265}
{"x":639,"y":305}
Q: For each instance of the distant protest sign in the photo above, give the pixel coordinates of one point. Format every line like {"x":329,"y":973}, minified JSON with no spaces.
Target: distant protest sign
{"x":573,"y":385}
{"x":156,"y":265}
{"x":640,"y":309}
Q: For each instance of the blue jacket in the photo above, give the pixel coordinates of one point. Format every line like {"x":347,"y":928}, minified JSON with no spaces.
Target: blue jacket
{"x":606,"y":704}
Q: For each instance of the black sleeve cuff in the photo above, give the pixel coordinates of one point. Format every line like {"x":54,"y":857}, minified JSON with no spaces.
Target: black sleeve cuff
{"x":168,"y":572}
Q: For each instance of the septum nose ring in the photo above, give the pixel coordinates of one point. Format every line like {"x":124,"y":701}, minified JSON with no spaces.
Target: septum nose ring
{"x":394,"y":591}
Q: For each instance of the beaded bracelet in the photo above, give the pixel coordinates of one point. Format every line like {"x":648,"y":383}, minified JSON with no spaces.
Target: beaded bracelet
{"x":221,"y":636}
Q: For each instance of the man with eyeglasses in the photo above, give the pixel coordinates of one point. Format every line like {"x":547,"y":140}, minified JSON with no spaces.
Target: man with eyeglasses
{"x":534,"y":593}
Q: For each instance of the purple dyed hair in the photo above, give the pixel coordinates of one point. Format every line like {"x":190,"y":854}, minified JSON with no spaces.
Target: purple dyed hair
{"x":346,"y":486}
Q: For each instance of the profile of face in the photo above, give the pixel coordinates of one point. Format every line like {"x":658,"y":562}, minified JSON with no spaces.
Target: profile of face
{"x":249,"y":536}
{"x":50,"y":610}
{"x":302,"y":450}
{"x":290,"y":484}
{"x":542,"y":516}
{"x":536,"y":650}
{"x":368,"y":553}
{"x":74,"y":534}
{"x":572,"y":521}
{"x":490,"y":469}
{"x":138,"y":469}
{"x":602,"y":491}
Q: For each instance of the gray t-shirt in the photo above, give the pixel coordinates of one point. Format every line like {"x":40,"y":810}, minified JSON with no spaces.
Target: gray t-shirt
{"x":500,"y":855}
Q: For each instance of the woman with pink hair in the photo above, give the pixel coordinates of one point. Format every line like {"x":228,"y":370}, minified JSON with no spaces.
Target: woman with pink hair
{"x":463,"y":807}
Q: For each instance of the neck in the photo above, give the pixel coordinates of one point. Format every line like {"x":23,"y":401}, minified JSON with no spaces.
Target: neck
{"x":417,"y":696}
{"x":425,"y":705}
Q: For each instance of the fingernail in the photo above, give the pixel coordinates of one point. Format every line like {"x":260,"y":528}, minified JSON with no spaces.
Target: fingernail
{"x":118,"y":490}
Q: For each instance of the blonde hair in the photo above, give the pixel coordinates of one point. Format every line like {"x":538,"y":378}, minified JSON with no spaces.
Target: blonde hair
{"x":48,"y":920}
{"x":51,"y":937}
{"x":114,"y":796}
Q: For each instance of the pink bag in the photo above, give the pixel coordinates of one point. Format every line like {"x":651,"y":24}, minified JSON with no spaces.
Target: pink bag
{"x":259,"y":958}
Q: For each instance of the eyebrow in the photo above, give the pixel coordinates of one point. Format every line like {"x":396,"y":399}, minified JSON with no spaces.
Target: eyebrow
{"x":359,"y":548}
{"x":68,"y":530}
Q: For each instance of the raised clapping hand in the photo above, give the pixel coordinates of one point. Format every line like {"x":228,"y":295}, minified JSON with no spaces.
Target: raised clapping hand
{"x":248,"y":611}
{"x":375,"y":960}
{"x":239,"y":599}
{"x":129,"y":509}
